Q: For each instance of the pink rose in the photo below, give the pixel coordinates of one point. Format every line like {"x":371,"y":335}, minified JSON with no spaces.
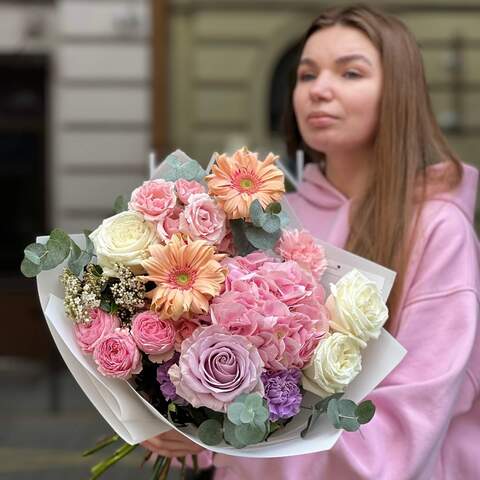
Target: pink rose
{"x":184,"y":328}
{"x":301,"y":247}
{"x":117,"y":355}
{"x":154,"y":336}
{"x":227,"y":245}
{"x":186,"y":188}
{"x":215,"y":367}
{"x":89,"y":333}
{"x":203,"y":219}
{"x":169,"y":224}
{"x":154,"y":199}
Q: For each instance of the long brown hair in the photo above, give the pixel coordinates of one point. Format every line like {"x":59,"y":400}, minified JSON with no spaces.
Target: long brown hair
{"x":384,"y":220}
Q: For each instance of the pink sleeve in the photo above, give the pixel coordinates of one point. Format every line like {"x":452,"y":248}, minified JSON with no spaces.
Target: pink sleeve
{"x":417,"y":401}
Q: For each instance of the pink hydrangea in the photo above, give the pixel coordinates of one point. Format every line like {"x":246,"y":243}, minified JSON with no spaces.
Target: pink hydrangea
{"x":154,"y":199}
{"x":186,"y":188}
{"x":154,"y":336}
{"x":301,"y":247}
{"x":117,"y":355}
{"x":203,"y":219}
{"x":215,"y":367}
{"x":101,"y":323}
{"x":290,"y":283}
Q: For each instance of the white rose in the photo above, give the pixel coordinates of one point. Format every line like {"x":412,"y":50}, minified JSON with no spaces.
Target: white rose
{"x":123,"y":238}
{"x":335,"y":363}
{"x":356,"y":306}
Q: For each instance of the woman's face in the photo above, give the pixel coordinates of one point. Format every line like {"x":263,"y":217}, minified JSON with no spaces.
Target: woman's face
{"x":337,"y":94}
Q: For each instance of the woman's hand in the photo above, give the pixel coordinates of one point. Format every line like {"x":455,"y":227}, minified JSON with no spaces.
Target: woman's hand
{"x":172,"y":444}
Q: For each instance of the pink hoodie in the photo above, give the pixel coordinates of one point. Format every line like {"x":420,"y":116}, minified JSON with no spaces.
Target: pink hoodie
{"x":427,"y":424}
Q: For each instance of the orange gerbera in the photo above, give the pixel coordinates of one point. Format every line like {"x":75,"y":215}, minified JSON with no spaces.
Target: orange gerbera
{"x":187,"y":274}
{"x":238,"y":180}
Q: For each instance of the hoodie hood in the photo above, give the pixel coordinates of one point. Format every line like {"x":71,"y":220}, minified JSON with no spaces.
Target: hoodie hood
{"x":318,"y":191}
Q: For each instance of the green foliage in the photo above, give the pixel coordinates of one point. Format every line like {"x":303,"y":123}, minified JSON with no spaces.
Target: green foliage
{"x":39,"y":257}
{"x":341,"y":412}
{"x":210,"y":432}
{"x":261,"y":239}
{"x":365,"y":412}
{"x":120,"y":205}
{"x":179,"y":165}
{"x":247,"y":420}
{"x":242,"y":245}
{"x":317,"y":410}
{"x":264,"y":230}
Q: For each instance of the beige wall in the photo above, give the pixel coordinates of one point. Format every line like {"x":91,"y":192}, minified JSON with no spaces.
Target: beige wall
{"x":223,"y":53}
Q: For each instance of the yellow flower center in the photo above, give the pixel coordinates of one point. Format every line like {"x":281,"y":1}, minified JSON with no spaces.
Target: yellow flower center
{"x":183,"y":278}
{"x":245,"y":181}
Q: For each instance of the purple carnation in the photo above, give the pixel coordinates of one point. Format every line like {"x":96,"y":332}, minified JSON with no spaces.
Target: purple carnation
{"x":282,"y":393}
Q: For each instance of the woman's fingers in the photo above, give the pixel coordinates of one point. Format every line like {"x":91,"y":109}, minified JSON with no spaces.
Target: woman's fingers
{"x":172,"y":444}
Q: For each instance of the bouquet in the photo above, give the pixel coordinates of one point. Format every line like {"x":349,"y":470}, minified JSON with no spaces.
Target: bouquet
{"x":204,"y":296}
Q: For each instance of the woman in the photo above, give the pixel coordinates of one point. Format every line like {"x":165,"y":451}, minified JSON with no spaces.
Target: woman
{"x":383,"y":183}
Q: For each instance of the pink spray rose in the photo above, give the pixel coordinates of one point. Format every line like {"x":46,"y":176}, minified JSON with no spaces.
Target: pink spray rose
{"x":154,"y":199}
{"x":154,"y":336}
{"x":215,"y":367}
{"x":89,"y":333}
{"x":184,"y":328}
{"x":301,"y":247}
{"x":186,"y":188}
{"x":117,"y":355}
{"x":169,"y":224}
{"x":203,"y":219}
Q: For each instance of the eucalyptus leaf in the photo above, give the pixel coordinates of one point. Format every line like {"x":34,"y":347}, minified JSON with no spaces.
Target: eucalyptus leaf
{"x":242,"y":245}
{"x":257,"y":214}
{"x":60,"y":236}
{"x":35,"y":253}
{"x":57,"y":252}
{"x":261,"y":415}
{"x":312,"y":420}
{"x":89,"y":247}
{"x":234,"y":412}
{"x":120,"y":204}
{"x":272,"y":223}
{"x":365,"y":411}
{"x":333,"y":414}
{"x":210,"y":432}
{"x":253,"y":400}
{"x":247,"y":415}
{"x":229,"y":434}
{"x":274,"y":207}
{"x":29,"y":269}
{"x":250,"y":433}
{"x":261,"y":239}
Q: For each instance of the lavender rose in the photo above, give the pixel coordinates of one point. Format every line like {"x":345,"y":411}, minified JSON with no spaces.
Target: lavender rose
{"x":100,"y":323}
{"x":215,"y":367}
{"x":117,"y":355}
{"x":282,"y":393}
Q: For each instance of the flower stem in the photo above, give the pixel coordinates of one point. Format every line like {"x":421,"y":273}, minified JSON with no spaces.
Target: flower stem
{"x":157,"y":467}
{"x":102,"y":444}
{"x":182,"y":471}
{"x":195,"y":463}
{"x":101,"y":467}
